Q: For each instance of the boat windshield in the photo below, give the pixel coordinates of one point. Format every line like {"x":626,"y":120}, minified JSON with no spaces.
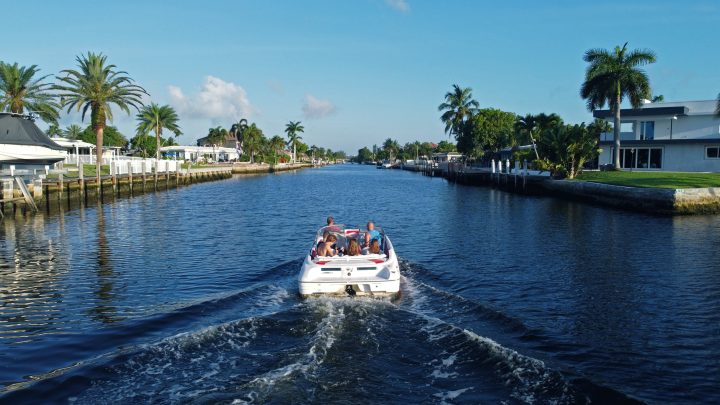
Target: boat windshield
{"x":345,"y":231}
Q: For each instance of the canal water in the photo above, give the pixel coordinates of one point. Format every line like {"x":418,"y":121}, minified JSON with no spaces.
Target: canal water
{"x":190,"y":296}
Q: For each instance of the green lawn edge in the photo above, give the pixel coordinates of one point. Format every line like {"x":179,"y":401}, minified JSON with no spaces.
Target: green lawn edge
{"x":670,"y":180}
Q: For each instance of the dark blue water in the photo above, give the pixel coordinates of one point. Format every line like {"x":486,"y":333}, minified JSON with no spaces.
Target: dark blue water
{"x":190,"y":296}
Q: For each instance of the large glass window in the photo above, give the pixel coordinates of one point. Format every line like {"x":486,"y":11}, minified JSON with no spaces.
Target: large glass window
{"x":647,"y":130}
{"x":712,"y":152}
{"x":655,"y":158}
{"x":643,"y":158}
{"x":628,"y":158}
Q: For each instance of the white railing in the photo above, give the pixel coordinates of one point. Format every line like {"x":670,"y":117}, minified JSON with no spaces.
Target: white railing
{"x":138,"y":166}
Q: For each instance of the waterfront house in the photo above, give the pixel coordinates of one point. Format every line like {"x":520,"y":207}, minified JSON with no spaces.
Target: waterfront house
{"x":673,"y":136}
{"x":195,"y":153}
{"x":77,"y":151}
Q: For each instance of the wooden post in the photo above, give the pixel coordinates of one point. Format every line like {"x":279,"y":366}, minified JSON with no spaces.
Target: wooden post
{"x":113,"y":174}
{"x":60,"y":183}
{"x":167,"y":175}
{"x":156,"y":173}
{"x":130,"y":179}
{"x":81,"y":178}
{"x":37,"y":188}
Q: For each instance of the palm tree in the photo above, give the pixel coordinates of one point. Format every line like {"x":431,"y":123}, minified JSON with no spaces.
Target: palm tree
{"x":717,"y":109}
{"x":528,"y":124}
{"x":73,"y":131}
{"x":253,"y":140}
{"x":157,"y":117}
{"x":458,"y":107}
{"x":658,"y":99}
{"x":238,"y":128}
{"x":20,"y":91}
{"x":217,"y":135}
{"x":610,"y":77}
{"x":392,"y":147}
{"x":95,"y":87}
{"x":292,"y":129}
{"x":276,"y":143}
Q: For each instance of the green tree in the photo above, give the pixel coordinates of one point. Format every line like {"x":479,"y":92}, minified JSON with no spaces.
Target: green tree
{"x":488,"y":130}
{"x":458,"y":108}
{"x":391,"y":147}
{"x":658,"y":99}
{"x":525,"y":129}
{"x":612,"y":76}
{"x":293,"y":129}
{"x":54,"y":130}
{"x":253,"y":140}
{"x":600,"y":126}
{"x":216,"y":136}
{"x":565,"y":149}
{"x":112,"y":137}
{"x":73,"y":132}
{"x":156,"y":117}
{"x":277,"y":145}
{"x":364,"y":155}
{"x":445,"y":147}
{"x":717,"y":109}
{"x":95,"y":87}
{"x":20,"y":90}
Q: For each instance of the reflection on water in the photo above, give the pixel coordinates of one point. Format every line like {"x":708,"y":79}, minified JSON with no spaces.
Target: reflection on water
{"x":104,"y":310}
{"x":627,"y":300}
{"x":31,"y":272}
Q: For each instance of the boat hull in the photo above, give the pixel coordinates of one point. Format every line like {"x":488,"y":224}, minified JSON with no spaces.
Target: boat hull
{"x":375,"y":275}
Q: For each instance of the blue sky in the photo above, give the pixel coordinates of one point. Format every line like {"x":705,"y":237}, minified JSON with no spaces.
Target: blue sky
{"x":356,"y":72}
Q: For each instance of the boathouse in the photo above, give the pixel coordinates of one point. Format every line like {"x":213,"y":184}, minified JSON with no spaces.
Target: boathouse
{"x":673,"y":136}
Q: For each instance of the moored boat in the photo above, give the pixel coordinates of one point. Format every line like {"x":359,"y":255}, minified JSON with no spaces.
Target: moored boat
{"x":366,"y":274}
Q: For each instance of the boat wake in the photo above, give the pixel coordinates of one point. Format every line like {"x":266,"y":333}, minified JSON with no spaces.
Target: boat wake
{"x":427,"y":347}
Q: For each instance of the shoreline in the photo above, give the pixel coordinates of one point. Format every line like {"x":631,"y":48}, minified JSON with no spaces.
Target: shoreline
{"x":73,"y":192}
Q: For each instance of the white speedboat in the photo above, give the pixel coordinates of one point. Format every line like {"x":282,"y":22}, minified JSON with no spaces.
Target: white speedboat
{"x":22,"y":143}
{"x":363,"y":275}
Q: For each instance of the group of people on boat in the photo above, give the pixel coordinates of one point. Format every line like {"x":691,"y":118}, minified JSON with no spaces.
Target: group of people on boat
{"x":355,"y":246}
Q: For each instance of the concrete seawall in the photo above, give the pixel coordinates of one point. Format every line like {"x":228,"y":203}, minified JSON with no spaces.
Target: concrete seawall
{"x":653,"y":200}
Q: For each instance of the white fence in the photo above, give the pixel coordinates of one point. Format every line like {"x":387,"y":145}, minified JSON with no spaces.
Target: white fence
{"x":139,"y":166}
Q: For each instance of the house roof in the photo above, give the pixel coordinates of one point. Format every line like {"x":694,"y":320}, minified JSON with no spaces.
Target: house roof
{"x":71,"y":143}
{"x":702,"y":107}
{"x":18,"y":130}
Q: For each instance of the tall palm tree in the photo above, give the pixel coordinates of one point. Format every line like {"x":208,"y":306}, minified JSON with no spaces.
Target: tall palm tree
{"x":95,"y":86}
{"x":73,"y":131}
{"x":156,"y":117}
{"x":458,"y":107}
{"x":717,"y":109}
{"x":20,"y":90}
{"x":612,"y":76}
{"x":292,"y":129}
{"x":238,"y":128}
{"x":528,"y":125}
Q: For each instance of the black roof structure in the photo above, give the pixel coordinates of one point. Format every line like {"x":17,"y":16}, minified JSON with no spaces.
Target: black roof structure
{"x":16,"y":129}
{"x":643,"y":112}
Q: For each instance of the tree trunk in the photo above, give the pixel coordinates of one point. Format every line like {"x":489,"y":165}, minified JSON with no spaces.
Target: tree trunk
{"x":157,"y":142}
{"x":294,"y":154}
{"x":616,"y":132}
{"x":98,"y":152}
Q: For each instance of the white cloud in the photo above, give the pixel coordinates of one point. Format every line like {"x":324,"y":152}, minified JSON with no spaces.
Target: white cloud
{"x":316,"y":108}
{"x":399,"y":5}
{"x":217,"y":99}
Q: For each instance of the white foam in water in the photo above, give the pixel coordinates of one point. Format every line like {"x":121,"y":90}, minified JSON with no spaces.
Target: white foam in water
{"x":321,"y":342}
{"x":450,"y":395}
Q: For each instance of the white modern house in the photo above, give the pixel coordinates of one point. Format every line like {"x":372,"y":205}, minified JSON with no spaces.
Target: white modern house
{"x":674,"y":136}
{"x":195,"y":153}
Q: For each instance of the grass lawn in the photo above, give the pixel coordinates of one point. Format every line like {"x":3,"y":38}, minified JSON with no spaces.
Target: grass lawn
{"x":654,"y":179}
